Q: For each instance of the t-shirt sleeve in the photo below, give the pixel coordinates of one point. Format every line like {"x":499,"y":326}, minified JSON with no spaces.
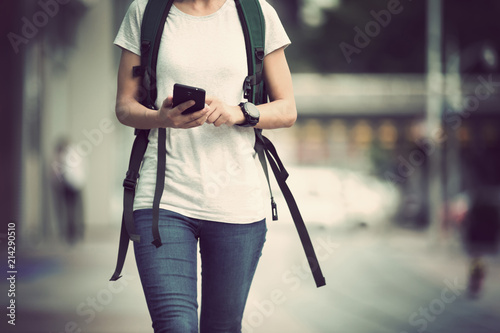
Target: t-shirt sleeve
{"x":129,"y":35}
{"x":276,"y":36}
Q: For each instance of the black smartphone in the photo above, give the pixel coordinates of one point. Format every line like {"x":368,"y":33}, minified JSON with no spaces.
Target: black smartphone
{"x":183,"y":93}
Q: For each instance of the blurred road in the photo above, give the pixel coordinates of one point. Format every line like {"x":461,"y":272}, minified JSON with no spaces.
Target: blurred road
{"x":378,"y":280}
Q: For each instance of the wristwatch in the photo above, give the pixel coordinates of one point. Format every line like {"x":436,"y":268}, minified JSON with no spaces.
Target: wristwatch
{"x":251,"y":114}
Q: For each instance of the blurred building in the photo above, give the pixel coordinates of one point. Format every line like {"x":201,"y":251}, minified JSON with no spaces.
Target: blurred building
{"x":376,"y":124}
{"x":69,"y":90}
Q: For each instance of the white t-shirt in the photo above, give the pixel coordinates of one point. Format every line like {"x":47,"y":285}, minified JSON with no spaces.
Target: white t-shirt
{"x":211,"y":172}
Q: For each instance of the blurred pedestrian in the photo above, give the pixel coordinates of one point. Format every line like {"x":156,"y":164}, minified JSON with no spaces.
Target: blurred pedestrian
{"x":481,"y":234}
{"x":212,"y":187}
{"x":68,"y":181}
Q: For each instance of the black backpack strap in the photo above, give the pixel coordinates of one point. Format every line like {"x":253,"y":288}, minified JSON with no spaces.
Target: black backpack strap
{"x":252,"y":20}
{"x":259,"y":148}
{"x":253,"y":25}
{"x":153,"y":23}
{"x":152,"y":26}
{"x":160,"y":183}
{"x":151,"y":37}
{"x":281,"y":175}
{"x":129,"y":183}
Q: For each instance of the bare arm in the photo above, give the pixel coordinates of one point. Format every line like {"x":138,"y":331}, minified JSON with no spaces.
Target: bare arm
{"x":280,"y":112}
{"x":132,"y":113}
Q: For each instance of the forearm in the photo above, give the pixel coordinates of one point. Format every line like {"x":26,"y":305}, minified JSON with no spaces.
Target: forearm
{"x":281,"y":111}
{"x":277,"y":114}
{"x":132,"y":113}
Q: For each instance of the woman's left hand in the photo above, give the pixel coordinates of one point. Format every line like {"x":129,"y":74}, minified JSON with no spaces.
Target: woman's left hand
{"x":221,"y":113}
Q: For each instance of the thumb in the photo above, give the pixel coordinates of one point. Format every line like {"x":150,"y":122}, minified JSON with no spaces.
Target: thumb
{"x":168,"y":102}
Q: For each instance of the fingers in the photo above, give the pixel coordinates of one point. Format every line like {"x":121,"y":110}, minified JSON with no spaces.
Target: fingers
{"x":184,"y":106}
{"x":169,"y":103}
{"x":217,"y":111}
{"x":214,"y":115}
{"x":220,"y":121}
{"x":217,"y":117}
{"x":220,"y":113}
{"x":173,"y":117}
{"x":197,"y":118}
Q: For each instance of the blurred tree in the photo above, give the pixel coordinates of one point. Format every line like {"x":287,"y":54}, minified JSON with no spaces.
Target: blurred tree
{"x":383,"y":41}
{"x":355,"y":36}
{"x":289,"y":11}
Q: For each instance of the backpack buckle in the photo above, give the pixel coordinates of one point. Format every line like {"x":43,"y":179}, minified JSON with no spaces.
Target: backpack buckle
{"x":138,"y":71}
{"x":247,"y":87}
{"x":274,"y":209}
{"x":130,"y":180}
{"x":259,"y":53}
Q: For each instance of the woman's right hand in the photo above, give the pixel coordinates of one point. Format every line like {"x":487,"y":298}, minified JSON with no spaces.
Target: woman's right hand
{"x":131,"y":113}
{"x":169,"y":116}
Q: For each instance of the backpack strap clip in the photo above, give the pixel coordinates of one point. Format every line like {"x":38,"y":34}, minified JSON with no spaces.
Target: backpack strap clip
{"x":255,"y":79}
{"x":138,"y":71}
{"x":130,"y":180}
{"x":259,"y":53}
{"x":247,"y":87}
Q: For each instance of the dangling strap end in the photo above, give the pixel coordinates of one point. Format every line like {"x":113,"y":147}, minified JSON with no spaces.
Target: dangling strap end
{"x":274,"y":208}
{"x":157,"y":243}
{"x":320,"y":282}
{"x":115,"y":277}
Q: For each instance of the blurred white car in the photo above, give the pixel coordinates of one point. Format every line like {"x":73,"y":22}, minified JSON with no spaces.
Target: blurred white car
{"x":333,"y":197}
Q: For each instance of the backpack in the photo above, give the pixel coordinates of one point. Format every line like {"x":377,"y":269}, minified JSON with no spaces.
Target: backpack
{"x":253,"y":24}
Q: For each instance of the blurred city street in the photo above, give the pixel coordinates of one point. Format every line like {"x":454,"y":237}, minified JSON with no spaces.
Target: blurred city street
{"x":393,"y":157}
{"x":379,"y":279}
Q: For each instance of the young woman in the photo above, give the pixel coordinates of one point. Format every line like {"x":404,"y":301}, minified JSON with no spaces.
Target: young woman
{"x":212,"y":186}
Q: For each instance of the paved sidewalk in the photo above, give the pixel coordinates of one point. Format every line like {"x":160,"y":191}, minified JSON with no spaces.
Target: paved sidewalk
{"x":382,"y":280}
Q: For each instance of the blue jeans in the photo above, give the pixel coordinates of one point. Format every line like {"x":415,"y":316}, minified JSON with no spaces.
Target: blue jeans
{"x":229,"y":257}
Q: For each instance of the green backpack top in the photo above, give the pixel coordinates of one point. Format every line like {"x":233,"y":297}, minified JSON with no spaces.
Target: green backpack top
{"x":253,"y":24}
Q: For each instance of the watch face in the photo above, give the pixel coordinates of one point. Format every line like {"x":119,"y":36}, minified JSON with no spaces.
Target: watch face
{"x":252,"y":110}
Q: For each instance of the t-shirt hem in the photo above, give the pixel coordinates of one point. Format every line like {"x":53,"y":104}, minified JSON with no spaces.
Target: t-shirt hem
{"x":236,"y":219}
{"x":274,"y":48}
{"x":128,"y":46}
